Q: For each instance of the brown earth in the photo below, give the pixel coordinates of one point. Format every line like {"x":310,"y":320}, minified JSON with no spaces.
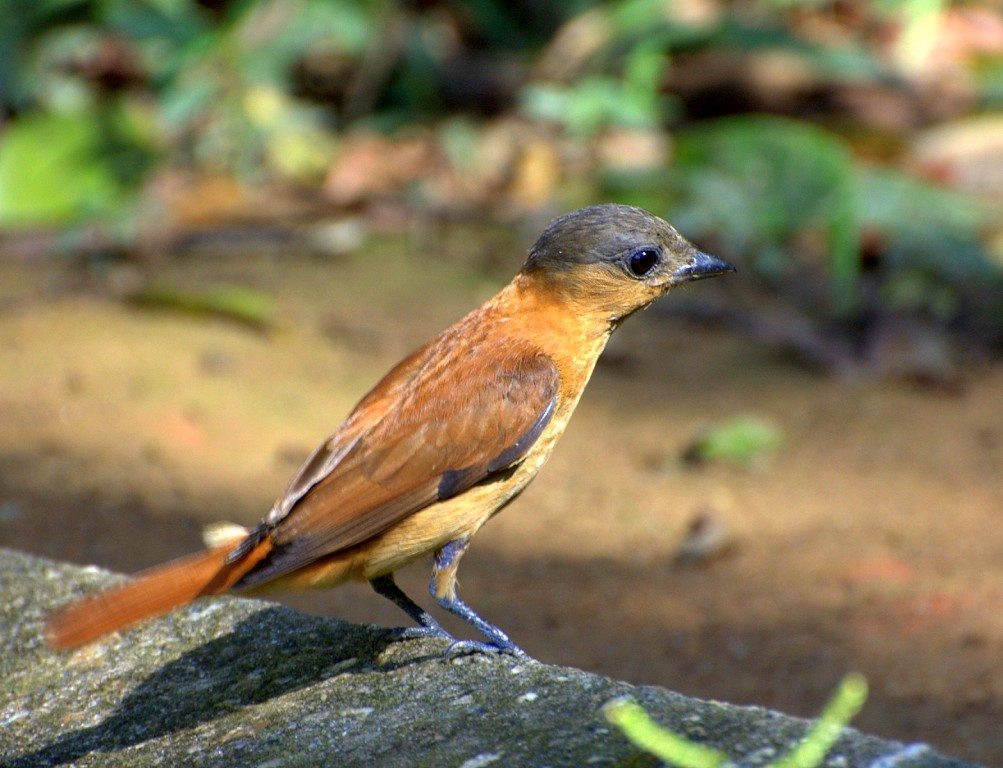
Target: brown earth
{"x":869,"y":542}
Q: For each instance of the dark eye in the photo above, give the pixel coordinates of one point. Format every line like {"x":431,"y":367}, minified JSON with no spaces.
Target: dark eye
{"x":641,"y":262}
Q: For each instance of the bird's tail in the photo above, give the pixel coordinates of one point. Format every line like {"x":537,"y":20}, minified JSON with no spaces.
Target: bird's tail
{"x":150,"y":593}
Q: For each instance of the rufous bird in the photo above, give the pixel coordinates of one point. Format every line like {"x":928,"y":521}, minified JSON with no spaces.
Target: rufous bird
{"x":451,"y":435}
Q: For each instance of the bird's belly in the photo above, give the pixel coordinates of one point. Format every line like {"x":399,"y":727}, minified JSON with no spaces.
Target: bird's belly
{"x":438,"y":524}
{"x":459,"y":517}
{"x":419,"y":534}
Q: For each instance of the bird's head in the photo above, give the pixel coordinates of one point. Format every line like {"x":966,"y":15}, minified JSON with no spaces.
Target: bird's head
{"x":615,"y":260}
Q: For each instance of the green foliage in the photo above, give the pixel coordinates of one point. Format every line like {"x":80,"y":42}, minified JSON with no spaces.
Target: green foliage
{"x":214,"y":86}
{"x":244,"y":305}
{"x":598,"y":101}
{"x":744,"y":440}
{"x":220,"y":87}
{"x":224,"y":88}
{"x":637,"y":726}
{"x":623,"y":88}
{"x":792,"y":199}
{"x":990,"y":83}
{"x":761,"y":183}
{"x":59,"y":168}
{"x":934,"y":251}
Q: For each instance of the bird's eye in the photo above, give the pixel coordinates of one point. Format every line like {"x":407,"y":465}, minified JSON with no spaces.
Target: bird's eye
{"x":641,"y":262}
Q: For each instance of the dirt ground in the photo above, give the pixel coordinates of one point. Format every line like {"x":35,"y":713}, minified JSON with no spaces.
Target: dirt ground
{"x":869,"y":542}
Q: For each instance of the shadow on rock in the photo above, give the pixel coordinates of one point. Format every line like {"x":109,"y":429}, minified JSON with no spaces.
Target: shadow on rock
{"x":269,"y":654}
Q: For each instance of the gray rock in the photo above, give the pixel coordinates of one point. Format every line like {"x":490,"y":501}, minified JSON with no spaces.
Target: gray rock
{"x":231,"y":682}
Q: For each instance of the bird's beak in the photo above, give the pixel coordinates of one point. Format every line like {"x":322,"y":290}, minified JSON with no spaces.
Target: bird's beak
{"x":699,"y":266}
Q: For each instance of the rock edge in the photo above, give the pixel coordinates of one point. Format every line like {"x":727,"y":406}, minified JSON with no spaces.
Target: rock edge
{"x":231,"y":682}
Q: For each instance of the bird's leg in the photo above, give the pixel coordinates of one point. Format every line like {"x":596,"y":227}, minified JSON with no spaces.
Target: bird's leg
{"x":387,"y":587}
{"x":443,"y":588}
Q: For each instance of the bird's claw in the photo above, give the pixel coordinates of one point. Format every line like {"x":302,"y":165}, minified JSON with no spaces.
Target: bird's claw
{"x":410,"y":633}
{"x":456,"y":647}
{"x":464,"y":647}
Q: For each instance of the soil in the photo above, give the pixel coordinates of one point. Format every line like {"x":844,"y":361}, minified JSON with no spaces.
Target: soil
{"x":870,"y":541}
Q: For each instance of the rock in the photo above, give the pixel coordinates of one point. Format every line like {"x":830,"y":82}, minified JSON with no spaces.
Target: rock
{"x":232,"y":682}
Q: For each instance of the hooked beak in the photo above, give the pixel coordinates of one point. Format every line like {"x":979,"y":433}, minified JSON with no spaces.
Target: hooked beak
{"x":701,"y":265}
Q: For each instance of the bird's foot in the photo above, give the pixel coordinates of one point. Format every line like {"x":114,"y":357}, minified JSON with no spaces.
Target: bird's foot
{"x":429,"y":627}
{"x":465,"y":647}
{"x":410,"y":633}
{"x":456,"y":647}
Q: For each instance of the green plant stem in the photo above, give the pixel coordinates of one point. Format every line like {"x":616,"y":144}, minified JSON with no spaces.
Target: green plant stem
{"x":631,"y":718}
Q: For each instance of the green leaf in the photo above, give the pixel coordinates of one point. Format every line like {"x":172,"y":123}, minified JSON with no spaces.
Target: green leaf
{"x":759,"y":182}
{"x":843,"y":707}
{"x":931,"y":228}
{"x":245,"y":305}
{"x":742,"y":440}
{"x":631,"y":718}
{"x":52,"y":171}
{"x":677,"y":750}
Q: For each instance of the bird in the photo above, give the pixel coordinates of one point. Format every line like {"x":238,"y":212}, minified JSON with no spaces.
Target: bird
{"x":447,"y":438}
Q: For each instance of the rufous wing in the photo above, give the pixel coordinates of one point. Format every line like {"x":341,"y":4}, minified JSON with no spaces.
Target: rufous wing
{"x":446,"y":433}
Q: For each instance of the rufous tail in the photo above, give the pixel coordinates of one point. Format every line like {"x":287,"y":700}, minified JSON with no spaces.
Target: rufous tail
{"x":150,"y":593}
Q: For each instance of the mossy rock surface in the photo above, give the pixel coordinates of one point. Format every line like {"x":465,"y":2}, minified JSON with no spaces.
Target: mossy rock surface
{"x":232,"y":682}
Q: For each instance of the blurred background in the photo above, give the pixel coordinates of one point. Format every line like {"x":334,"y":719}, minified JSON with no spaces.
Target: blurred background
{"x":221,"y":222}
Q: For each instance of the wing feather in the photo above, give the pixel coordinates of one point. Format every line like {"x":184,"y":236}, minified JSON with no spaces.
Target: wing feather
{"x":405,"y":447}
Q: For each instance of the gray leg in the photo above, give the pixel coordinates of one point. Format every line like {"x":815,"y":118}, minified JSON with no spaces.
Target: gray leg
{"x":387,"y":587}
{"x":443,"y":588}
